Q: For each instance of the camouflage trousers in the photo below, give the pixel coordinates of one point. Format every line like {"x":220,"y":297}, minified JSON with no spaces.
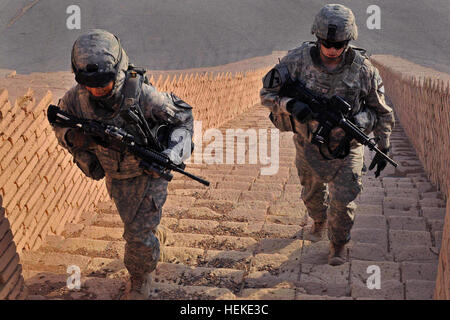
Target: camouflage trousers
{"x":139,"y":201}
{"x":329,"y":187}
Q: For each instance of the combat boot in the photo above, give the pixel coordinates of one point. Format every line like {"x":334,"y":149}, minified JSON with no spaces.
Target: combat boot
{"x":317,"y":232}
{"x":139,"y":287}
{"x":337,"y":255}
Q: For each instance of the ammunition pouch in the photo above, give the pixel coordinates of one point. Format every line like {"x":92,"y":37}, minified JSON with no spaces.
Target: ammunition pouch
{"x":88,"y":164}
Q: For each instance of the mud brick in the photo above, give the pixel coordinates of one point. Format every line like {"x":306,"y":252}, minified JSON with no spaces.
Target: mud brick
{"x":438,"y":239}
{"x":163,"y":290}
{"x":375,"y":191}
{"x":245,"y":172}
{"x":432,"y":202}
{"x":9,"y":286}
{"x":196,"y":226}
{"x":243,"y":186}
{"x":407,"y":223}
{"x":288,"y":220}
{"x":435,"y":225}
{"x":293,"y":179}
{"x":369,"y":209}
{"x":416,"y":254}
{"x":425,"y":187}
{"x":247,"y":215}
{"x":419,"y":289}
{"x":368,"y":251}
{"x":370,"y":221}
{"x":10,"y":178}
{"x":8,"y":255}
{"x":180,"y":274}
{"x":432,"y":195}
{"x":266,"y":187}
{"x":232,"y":195}
{"x":264,"y":279}
{"x":281,"y":208}
{"x":400,"y":203}
{"x":370,"y":235}
{"x":325,"y":279}
{"x":419,"y":271}
{"x":227,"y":259}
{"x":236,"y":178}
{"x":288,"y":247}
{"x":273,"y":263}
{"x":268,"y":294}
{"x":390,"y":290}
{"x":403,"y":192}
{"x":315,"y":253}
{"x":401,"y":238}
{"x":360,"y":274}
{"x":398,"y":212}
{"x":203,"y":213}
{"x":293,"y":188}
{"x":9,"y":269}
{"x":282,"y":231}
{"x":4,"y":227}
{"x":259,"y":195}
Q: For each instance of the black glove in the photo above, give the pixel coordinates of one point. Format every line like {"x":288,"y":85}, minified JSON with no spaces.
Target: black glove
{"x":299,"y":110}
{"x":379,"y":162}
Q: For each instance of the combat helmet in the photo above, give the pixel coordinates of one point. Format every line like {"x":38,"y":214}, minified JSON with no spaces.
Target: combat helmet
{"x":335,"y":23}
{"x":98,"y":58}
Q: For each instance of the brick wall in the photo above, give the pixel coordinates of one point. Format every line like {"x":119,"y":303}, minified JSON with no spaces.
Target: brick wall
{"x":217,"y":98}
{"x":421,"y":97}
{"x":42,"y":188}
{"x":12,"y":285}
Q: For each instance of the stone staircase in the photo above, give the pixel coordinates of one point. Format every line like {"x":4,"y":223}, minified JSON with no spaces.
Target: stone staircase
{"x":242,"y":238}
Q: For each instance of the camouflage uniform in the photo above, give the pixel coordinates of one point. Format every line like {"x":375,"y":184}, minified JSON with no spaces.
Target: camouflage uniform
{"x":359,"y":83}
{"x":139,"y":197}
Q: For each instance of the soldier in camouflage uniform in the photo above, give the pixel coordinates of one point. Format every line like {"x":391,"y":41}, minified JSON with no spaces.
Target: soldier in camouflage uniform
{"x":103,"y":72}
{"x":330,"y":66}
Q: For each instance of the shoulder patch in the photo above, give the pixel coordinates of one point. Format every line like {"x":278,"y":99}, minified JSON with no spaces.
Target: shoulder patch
{"x":276,"y":77}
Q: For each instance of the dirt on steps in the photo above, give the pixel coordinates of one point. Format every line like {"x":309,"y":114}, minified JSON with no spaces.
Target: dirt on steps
{"x":243,"y":238}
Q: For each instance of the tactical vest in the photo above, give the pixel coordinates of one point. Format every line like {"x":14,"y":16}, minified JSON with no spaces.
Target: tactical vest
{"x":345,"y":81}
{"x":119,"y":164}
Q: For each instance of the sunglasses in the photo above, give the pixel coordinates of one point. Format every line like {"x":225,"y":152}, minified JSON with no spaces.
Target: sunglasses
{"x":336,"y":45}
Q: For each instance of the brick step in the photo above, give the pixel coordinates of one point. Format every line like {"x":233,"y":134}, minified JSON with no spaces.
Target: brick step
{"x":283,"y":294}
{"x":205,"y":241}
{"x":199,"y":276}
{"x":191,"y":226}
{"x":181,"y":248}
{"x":84,"y":247}
{"x":170,"y":291}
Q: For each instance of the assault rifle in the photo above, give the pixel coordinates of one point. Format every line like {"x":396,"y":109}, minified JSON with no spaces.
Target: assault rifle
{"x":330,"y":113}
{"x":118,"y":139}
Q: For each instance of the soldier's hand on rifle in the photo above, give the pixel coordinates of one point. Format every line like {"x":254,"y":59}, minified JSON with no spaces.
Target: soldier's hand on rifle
{"x":173,"y":156}
{"x":299,"y":110}
{"x":379,"y":162}
{"x":75,"y":138}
